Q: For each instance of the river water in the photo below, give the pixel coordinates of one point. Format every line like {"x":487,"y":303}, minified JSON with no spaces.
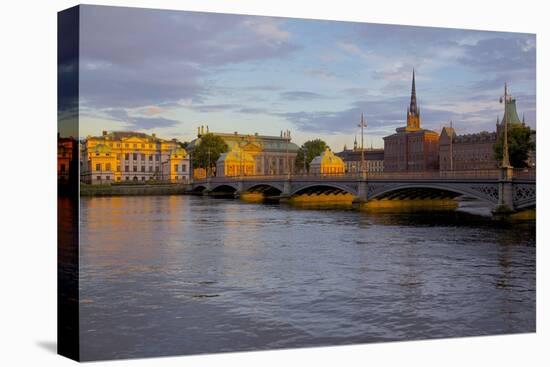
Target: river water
{"x":165,"y":275}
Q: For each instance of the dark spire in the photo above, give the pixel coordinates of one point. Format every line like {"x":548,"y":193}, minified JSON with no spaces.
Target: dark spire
{"x":413,"y":108}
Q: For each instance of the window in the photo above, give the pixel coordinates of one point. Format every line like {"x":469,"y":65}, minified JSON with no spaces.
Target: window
{"x":156,"y":168}
{"x":150,"y":158}
{"x":98,"y":167}
{"x":127,"y":178}
{"x":143,"y":178}
{"x":107,"y":166}
{"x":135,"y":156}
{"x":62,"y":168}
{"x":184,"y":168}
{"x":108,"y":178}
{"x":156,"y":157}
{"x":175,"y":168}
{"x":135,"y":168}
{"x":175,"y":178}
{"x":118,"y":178}
{"x":127,"y":156}
{"x":135,"y":145}
{"x":142,"y":168}
{"x":118,"y":168}
{"x":99,"y":178}
{"x":126,"y":168}
{"x":143,"y":145}
{"x":118,"y":146}
{"x":150,"y":168}
{"x":142,"y":156}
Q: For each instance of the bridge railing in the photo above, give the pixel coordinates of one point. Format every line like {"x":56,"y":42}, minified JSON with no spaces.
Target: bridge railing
{"x":490,"y":174}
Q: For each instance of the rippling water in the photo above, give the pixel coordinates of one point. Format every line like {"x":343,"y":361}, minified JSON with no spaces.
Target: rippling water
{"x":183,"y":275}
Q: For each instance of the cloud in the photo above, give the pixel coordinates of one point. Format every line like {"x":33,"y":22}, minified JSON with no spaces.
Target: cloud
{"x":300,"y":95}
{"x":502,"y":54}
{"x":132,"y":121}
{"x":134,"y":57}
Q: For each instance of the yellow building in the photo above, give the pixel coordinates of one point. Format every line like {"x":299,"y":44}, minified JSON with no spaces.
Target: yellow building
{"x":235,"y":162}
{"x":131,"y":156}
{"x":327,"y":164}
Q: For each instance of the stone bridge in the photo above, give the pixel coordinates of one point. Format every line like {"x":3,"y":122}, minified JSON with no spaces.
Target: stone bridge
{"x":502,"y":190}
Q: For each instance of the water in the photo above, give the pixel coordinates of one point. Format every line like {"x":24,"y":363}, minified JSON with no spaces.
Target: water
{"x":183,"y":275}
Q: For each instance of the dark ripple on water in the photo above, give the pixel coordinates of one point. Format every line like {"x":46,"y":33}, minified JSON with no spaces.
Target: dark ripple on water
{"x":181,"y":275}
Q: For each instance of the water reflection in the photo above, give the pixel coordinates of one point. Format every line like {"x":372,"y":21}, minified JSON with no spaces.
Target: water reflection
{"x":181,"y":275}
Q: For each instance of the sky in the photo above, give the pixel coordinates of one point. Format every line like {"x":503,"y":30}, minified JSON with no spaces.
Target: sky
{"x":168,"y":72}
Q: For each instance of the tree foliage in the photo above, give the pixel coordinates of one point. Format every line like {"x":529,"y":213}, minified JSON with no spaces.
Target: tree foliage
{"x":519,"y":145}
{"x":208,"y":151}
{"x":310,"y":149}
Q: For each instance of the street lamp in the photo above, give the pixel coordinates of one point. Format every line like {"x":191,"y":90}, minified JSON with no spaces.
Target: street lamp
{"x":362,"y":125}
{"x":505,"y":155}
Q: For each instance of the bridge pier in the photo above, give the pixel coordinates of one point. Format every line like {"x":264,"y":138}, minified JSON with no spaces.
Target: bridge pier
{"x":362,"y":193}
{"x":505,"y":205}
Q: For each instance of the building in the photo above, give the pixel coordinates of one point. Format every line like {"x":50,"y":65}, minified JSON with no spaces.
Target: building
{"x":236,"y":162}
{"x":327,"y":163}
{"x":121,"y":156}
{"x":466,"y":152}
{"x":411,"y":148}
{"x":373,"y":159}
{"x":273,"y":155}
{"x":476,"y":151}
{"x":67,"y":159}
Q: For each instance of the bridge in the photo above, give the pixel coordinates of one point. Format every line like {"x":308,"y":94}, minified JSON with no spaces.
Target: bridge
{"x":504,"y":190}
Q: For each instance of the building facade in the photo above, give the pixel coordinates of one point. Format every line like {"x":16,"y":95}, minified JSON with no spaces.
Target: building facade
{"x":327,"y":163}
{"x":121,"y":156}
{"x":272,"y":155}
{"x":466,"y":152}
{"x":476,"y":151}
{"x":412,"y":148}
{"x":373,"y":159}
{"x":236,"y":162}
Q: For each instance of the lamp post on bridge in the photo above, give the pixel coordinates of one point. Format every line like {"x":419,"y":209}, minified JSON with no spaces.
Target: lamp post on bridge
{"x":362,"y":125}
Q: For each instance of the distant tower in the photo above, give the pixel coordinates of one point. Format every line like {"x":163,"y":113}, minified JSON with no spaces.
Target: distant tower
{"x":413,"y":112}
{"x":355,"y":143}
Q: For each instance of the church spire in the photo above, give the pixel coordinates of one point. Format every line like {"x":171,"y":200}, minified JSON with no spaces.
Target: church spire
{"x":413,"y":112}
{"x":413,"y":107}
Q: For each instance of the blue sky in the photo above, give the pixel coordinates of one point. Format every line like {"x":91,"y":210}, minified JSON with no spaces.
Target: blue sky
{"x":170,"y":71}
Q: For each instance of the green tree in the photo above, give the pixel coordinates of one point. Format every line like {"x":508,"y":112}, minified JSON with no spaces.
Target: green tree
{"x":310,"y":149}
{"x":208,"y":151}
{"x":519,"y":145}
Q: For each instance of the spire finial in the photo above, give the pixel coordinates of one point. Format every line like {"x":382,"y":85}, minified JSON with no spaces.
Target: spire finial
{"x":413,"y":107}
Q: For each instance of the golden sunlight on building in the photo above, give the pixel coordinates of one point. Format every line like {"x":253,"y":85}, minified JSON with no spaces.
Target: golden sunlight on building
{"x":327,"y":164}
{"x":236,"y":162}
{"x":131,"y":156}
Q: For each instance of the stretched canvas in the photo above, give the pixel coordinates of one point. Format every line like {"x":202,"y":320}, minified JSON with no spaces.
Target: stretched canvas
{"x":237,"y":182}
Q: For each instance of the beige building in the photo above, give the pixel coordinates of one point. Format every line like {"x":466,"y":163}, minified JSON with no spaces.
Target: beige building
{"x":327,"y":164}
{"x":272,"y":155}
{"x":121,"y":156}
{"x":373,"y":159}
{"x":236,"y":162}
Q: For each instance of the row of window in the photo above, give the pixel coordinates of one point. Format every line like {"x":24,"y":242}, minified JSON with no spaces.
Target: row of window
{"x":135,"y":178}
{"x":177,"y":167}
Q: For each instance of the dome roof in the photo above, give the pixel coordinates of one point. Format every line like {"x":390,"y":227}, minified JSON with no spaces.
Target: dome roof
{"x":327,"y":158}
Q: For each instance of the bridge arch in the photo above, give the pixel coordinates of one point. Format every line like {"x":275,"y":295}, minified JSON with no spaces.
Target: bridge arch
{"x":426,"y":190}
{"x":224,"y":187}
{"x":267,"y":189}
{"x":323,"y":188}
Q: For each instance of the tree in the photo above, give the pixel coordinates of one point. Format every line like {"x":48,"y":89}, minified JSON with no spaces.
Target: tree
{"x":208,"y":151}
{"x":519,"y":145}
{"x":311,"y":149}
